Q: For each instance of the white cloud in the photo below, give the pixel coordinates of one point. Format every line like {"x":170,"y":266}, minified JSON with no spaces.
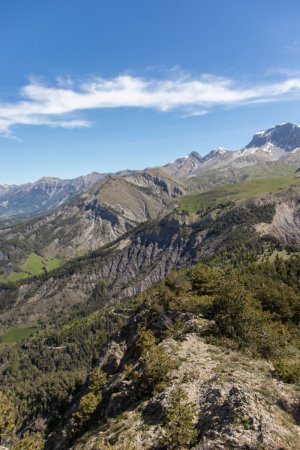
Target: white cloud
{"x":39,"y":104}
{"x":194,"y":113}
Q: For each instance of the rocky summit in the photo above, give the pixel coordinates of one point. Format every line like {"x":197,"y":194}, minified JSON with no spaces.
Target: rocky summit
{"x":285,"y":136}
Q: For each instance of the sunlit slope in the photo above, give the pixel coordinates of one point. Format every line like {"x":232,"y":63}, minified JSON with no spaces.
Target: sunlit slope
{"x":246,"y":190}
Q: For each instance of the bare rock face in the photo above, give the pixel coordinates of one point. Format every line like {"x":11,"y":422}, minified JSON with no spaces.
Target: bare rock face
{"x":112,"y":357}
{"x":285,"y":225}
{"x":194,"y":164}
{"x":238,"y":404}
{"x":241,"y":416}
{"x":285,"y":136}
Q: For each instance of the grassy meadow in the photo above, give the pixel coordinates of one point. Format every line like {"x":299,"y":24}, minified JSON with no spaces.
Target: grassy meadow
{"x":33,"y":266}
{"x":17,"y":334}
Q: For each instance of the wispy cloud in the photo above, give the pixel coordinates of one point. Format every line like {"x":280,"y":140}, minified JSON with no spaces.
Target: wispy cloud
{"x":41,"y":104}
{"x":194,"y":113}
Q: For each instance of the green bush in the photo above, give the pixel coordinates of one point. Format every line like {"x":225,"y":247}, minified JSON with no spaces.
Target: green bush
{"x":191,"y":303}
{"x":179,"y":421}
{"x":239,"y":316}
{"x":8,"y":429}
{"x":87,"y":406}
{"x":288,"y":370}
{"x":33,"y":441}
{"x":97,"y":380}
{"x":7,"y":421}
{"x":175,"y":329}
{"x":89,"y":402}
{"x":156,"y":362}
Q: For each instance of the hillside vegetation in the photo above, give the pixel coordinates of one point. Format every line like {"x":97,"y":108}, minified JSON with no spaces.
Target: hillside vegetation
{"x":198,"y":366}
{"x":251,"y":313}
{"x":34,"y":265}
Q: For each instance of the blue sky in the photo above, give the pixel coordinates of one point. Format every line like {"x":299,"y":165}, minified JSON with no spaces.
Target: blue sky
{"x":104,"y":85}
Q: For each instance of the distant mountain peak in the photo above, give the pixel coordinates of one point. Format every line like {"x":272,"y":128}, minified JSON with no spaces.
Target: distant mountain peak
{"x":214,"y":154}
{"x":219,"y":151}
{"x":195,"y":155}
{"x":285,"y":136}
{"x":48,"y":180}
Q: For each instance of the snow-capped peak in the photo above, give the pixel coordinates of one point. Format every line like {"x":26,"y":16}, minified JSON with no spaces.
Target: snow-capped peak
{"x":285,"y":136}
{"x":220,"y":150}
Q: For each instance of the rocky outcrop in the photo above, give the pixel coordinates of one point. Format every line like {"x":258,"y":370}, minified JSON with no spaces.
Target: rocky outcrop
{"x":285,"y":225}
{"x":237,"y":402}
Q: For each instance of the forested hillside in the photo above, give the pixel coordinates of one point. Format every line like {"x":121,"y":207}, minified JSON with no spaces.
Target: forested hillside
{"x":239,"y":317}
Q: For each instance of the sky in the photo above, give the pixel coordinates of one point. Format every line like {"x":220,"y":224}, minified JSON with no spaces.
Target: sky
{"x":105,"y":85}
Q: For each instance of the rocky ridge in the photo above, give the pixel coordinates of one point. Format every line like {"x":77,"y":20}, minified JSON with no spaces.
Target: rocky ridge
{"x":279,"y":142}
{"x":21,"y":202}
{"x":239,"y":404}
{"x":233,"y":399}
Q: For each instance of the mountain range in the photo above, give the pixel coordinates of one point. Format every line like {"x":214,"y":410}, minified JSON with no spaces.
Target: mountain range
{"x":82,"y":215}
{"x":281,"y":142}
{"x":130,"y":300}
{"x":97,"y":217}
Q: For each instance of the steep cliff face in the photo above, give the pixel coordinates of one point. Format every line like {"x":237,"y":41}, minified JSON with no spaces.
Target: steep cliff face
{"x":144,"y":256}
{"x":285,"y":225}
{"x":285,"y":136}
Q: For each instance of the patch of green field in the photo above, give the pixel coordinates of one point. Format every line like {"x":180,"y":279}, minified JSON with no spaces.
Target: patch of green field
{"x":13,"y":277}
{"x":17,"y":334}
{"x":52,"y":264}
{"x":240,"y":191}
{"x":33,"y":264}
{"x":37,"y":265}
